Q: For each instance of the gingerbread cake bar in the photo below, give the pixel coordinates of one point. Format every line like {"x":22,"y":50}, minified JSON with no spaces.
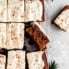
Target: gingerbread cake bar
{"x":15,"y":36}
{"x":2,"y":61}
{"x":16,"y":60}
{"x":16,"y":10}
{"x":37,"y":60}
{"x":12,"y":35}
{"x":38,"y":35}
{"x":34,"y":10}
{"x":62,"y":20}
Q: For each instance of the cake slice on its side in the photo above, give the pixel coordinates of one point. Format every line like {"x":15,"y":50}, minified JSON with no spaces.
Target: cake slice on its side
{"x":2,"y":61}
{"x":62,"y":20}
{"x":16,"y":60}
{"x":15,"y":36}
{"x":16,"y":10}
{"x":38,"y":35}
{"x":37,"y":60}
{"x":3,"y":10}
{"x":34,"y":10}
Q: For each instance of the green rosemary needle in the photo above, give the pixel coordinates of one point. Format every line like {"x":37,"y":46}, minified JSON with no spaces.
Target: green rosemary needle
{"x":52,"y":65}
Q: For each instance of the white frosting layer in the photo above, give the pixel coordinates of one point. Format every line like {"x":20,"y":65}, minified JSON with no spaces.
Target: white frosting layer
{"x":16,"y":60}
{"x":35,"y":60}
{"x":16,"y":10}
{"x":3,"y":10}
{"x":34,"y":10}
{"x":15,"y":35}
{"x":63,"y":20}
{"x":2,"y":61}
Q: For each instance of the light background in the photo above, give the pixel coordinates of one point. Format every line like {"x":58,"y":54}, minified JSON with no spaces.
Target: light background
{"x":58,"y":48}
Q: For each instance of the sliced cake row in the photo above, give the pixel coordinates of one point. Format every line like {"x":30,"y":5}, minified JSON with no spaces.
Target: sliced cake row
{"x":21,"y":10}
{"x":12,"y":35}
{"x":17,"y":60}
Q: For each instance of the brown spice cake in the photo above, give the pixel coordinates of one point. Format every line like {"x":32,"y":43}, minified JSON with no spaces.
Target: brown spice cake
{"x":38,"y":35}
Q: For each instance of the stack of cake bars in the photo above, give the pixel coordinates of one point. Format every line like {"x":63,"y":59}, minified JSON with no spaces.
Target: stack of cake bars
{"x":22,"y":40}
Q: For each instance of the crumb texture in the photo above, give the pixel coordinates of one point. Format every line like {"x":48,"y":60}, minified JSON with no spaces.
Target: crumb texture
{"x":16,"y":60}
{"x":2,"y":61}
{"x":63,"y":20}
{"x":34,"y":10}
{"x":16,"y":10}
{"x":35,"y":60}
{"x":3,"y":10}
{"x":12,"y":35}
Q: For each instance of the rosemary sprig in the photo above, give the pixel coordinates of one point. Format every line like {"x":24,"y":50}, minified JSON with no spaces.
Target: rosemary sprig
{"x":52,"y":65}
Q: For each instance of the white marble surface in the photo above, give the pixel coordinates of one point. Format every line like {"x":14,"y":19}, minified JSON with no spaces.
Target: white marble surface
{"x":58,"y":48}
